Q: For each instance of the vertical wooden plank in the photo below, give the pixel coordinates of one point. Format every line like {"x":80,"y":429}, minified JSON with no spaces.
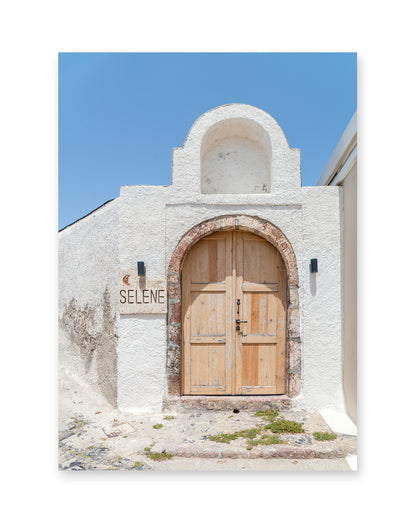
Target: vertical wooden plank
{"x":263,"y":318}
{"x":222,"y":257}
{"x":245,"y":373}
{"x":229,"y":362}
{"x":193,"y":361}
{"x":253,"y":326}
{"x":254,"y":365}
{"x":272,"y":313}
{"x":213,"y":261}
{"x":281,"y":330}
{"x":203,"y":365}
{"x":264,"y":365}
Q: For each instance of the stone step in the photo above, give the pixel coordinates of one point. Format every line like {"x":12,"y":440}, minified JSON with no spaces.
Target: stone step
{"x":229,"y":403}
{"x":329,"y":450}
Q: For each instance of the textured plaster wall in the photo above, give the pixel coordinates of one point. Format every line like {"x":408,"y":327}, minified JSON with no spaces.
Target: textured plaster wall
{"x":142,"y":345}
{"x":88,"y":269}
{"x":320,"y":298}
{"x":142,"y":362}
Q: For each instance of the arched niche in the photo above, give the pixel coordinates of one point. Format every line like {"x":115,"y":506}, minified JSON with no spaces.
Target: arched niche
{"x":236,"y":158}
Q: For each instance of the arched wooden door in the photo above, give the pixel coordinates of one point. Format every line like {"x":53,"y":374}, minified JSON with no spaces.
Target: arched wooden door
{"x":226,"y":277}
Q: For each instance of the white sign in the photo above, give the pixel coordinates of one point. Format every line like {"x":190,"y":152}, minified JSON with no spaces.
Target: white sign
{"x":139,"y":295}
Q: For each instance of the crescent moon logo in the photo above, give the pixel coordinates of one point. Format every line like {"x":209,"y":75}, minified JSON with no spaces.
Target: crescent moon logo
{"x":126,"y":279}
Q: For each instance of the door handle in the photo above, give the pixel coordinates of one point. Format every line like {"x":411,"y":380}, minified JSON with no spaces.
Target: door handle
{"x":241,"y":321}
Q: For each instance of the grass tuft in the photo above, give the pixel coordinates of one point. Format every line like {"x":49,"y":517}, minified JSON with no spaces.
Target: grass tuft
{"x":267,"y":415}
{"x":224,"y":437}
{"x":285,"y":426}
{"x":324,"y":436}
{"x":249,"y":434}
{"x":265,"y":440}
{"x":157,"y":426}
{"x":169,"y":417}
{"x":160,"y":456}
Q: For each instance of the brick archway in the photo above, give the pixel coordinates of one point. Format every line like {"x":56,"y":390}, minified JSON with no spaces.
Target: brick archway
{"x":272,"y":234}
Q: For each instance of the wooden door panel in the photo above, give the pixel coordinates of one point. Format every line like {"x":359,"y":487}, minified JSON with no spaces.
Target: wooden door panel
{"x":259,"y":259}
{"x":209,"y":260}
{"x":260,"y":311}
{"x":259,"y":368}
{"x":208,"y":368}
{"x":208,"y":313}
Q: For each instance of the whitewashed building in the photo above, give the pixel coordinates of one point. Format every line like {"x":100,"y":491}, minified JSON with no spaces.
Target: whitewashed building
{"x":222,"y":290}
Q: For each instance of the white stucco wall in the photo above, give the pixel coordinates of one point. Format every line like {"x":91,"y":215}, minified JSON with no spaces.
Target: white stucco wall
{"x":142,"y":363}
{"x":87,"y":299}
{"x":320,"y":298}
{"x":146,"y":223}
{"x":142,"y":338}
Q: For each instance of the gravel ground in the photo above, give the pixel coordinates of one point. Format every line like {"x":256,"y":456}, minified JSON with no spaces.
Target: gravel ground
{"x":94,"y":436}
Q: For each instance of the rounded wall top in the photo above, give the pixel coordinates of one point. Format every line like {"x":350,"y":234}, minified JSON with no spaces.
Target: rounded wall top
{"x":237,"y":149}
{"x":213,"y":118}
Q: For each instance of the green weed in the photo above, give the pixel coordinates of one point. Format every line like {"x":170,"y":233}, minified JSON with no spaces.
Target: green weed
{"x":285,"y":426}
{"x":265,"y":440}
{"x":267,"y":415}
{"x":160,"y":456}
{"x":224,"y":437}
{"x":324,"y":436}
{"x":249,"y":434}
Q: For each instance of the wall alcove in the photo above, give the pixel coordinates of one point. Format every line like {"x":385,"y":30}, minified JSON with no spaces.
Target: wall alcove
{"x":236,"y":158}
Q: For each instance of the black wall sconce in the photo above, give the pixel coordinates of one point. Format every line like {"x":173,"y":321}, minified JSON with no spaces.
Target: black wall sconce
{"x":141,"y":271}
{"x":314,"y":265}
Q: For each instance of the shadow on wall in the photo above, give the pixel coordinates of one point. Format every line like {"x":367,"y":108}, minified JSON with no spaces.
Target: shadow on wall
{"x":79,"y":323}
{"x":313,"y":283}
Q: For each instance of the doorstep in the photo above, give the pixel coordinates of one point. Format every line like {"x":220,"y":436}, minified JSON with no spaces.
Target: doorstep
{"x":228,"y":402}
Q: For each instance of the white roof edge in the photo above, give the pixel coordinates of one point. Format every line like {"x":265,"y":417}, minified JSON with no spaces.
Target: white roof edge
{"x":344,"y":144}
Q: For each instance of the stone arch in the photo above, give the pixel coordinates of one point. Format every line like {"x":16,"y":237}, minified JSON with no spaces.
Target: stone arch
{"x":276,"y":237}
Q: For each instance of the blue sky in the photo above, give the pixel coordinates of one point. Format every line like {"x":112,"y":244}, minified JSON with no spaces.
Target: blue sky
{"x":120,"y":114}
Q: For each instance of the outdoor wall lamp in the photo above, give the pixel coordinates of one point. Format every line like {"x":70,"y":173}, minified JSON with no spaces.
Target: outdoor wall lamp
{"x":314,"y":265}
{"x":141,"y":269}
